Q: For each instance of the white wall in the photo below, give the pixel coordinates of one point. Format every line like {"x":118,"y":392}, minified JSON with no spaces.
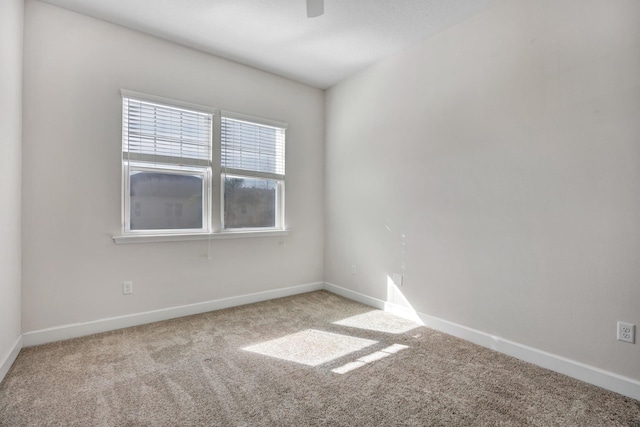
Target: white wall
{"x":75,"y":67}
{"x":11,"y":26}
{"x":497,"y":166}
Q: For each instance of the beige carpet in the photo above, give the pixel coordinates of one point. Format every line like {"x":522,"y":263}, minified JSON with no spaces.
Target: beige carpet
{"x":313,"y":359}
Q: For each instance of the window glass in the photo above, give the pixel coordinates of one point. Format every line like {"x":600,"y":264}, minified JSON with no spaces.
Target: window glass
{"x":165,"y":201}
{"x":252,"y":160}
{"x":166,"y":166}
{"x":249,"y":202}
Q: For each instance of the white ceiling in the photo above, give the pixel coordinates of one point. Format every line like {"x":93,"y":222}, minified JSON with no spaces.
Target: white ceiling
{"x":277,"y":36}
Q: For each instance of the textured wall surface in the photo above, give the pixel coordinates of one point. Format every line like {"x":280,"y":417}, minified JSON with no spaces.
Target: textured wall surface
{"x":497,"y":166}
{"x":75,"y":67}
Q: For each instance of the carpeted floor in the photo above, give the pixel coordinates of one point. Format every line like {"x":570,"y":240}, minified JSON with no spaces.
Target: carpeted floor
{"x":312,"y":359}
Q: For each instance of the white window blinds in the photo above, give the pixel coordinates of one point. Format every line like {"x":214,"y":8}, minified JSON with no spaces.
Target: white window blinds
{"x":155,"y":132}
{"x":253,"y":148}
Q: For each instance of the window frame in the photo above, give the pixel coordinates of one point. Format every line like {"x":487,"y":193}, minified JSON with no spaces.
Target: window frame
{"x":279,"y":205}
{"x":213,"y":216}
{"x":247,"y":174}
{"x":167,"y":165}
{"x":170,"y":169}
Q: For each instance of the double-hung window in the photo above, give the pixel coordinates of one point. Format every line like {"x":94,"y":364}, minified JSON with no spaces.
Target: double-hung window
{"x":166,"y":164}
{"x":170,"y":171}
{"x":252,"y":173}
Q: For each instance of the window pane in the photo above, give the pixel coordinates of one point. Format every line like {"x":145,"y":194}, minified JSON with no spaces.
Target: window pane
{"x":164,"y":130}
{"x":249,"y":202}
{"x":252,"y":147}
{"x":165,"y":201}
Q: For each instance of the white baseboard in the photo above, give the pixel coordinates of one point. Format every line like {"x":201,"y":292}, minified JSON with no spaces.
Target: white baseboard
{"x":65,"y":332}
{"x":605,"y":379}
{"x":355,"y":296}
{"x":608,"y":380}
{"x":10,"y":358}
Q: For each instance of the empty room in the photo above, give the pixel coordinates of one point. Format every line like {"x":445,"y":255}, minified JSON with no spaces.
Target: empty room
{"x":319,"y":212}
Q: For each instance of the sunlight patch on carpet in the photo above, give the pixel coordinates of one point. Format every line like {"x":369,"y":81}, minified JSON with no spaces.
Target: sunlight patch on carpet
{"x":369,"y":358}
{"x":311,"y":347}
{"x":379,"y":321}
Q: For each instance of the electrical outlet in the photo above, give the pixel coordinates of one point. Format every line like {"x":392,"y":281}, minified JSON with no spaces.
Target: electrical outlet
{"x":127,"y":288}
{"x":354,"y":269}
{"x":626,"y":332}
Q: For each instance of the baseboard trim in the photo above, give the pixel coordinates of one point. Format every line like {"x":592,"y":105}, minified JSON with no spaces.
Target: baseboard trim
{"x":355,"y":296}
{"x":608,"y":380}
{"x":590,"y":374}
{"x":10,"y":358}
{"x":76,"y":330}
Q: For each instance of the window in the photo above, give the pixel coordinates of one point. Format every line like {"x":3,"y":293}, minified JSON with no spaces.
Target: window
{"x":252,"y":173}
{"x":170,"y":172}
{"x":166,"y":164}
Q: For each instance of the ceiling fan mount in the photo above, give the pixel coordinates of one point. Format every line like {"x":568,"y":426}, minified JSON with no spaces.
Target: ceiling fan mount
{"x":315,"y":8}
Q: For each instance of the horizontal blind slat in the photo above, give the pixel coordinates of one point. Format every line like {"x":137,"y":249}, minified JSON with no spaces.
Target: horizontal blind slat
{"x":151,"y":129}
{"x":153,"y":158}
{"x":252,"y":147}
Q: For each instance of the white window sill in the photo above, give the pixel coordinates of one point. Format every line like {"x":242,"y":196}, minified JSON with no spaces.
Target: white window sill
{"x":124,"y":239}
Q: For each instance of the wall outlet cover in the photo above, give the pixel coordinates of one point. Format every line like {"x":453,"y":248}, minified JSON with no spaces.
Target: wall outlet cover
{"x":127,"y":288}
{"x":626,"y":332}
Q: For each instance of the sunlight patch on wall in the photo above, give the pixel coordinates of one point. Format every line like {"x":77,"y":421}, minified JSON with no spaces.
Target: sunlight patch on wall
{"x":398,"y":304}
{"x":311,"y":347}
{"x":379,"y":321}
{"x":370,"y":358}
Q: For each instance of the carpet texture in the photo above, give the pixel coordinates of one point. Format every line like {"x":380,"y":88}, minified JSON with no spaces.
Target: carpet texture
{"x":307,"y":360}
